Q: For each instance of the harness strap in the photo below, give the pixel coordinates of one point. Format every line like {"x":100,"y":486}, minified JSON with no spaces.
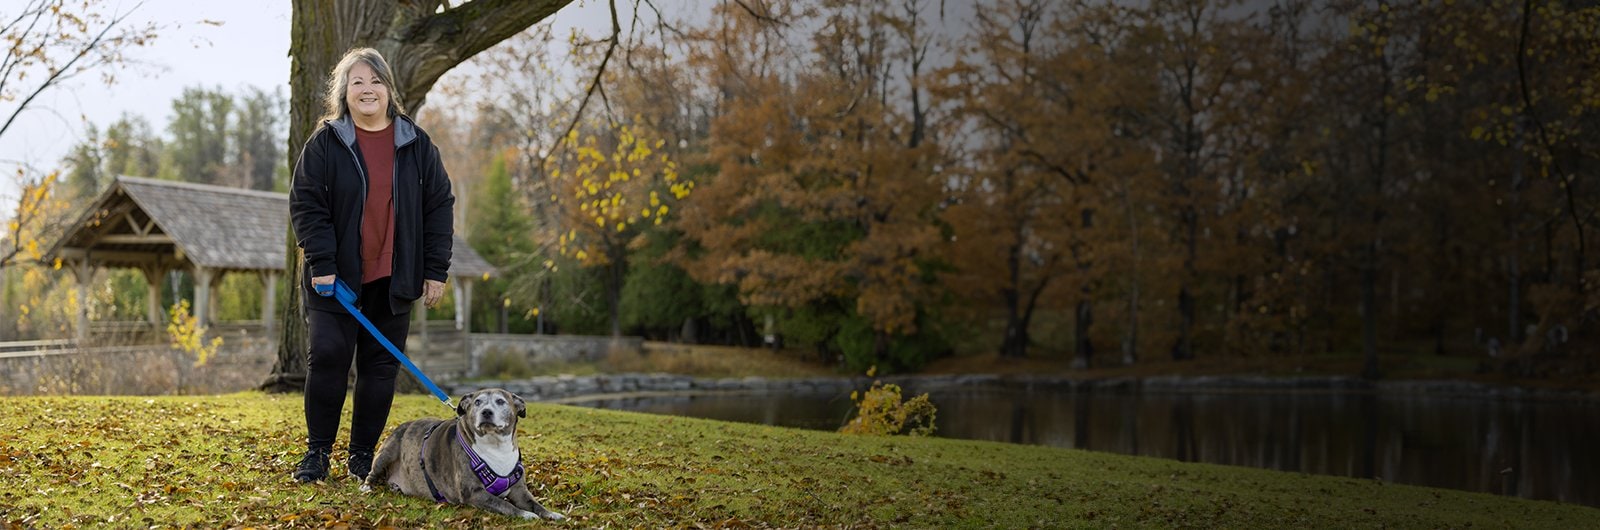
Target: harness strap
{"x":495,"y":483}
{"x":422,"y":459}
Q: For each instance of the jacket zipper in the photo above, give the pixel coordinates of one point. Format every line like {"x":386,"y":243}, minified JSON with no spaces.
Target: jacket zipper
{"x":361,"y":205}
{"x":394,"y":207}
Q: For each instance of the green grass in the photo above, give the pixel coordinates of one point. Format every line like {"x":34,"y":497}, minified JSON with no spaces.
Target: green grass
{"x":225,"y":460}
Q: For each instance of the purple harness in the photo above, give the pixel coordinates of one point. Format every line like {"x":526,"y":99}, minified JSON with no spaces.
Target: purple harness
{"x":494,"y":483}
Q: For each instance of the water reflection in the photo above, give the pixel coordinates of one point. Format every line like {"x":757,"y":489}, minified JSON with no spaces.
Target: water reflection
{"x":1527,"y":448}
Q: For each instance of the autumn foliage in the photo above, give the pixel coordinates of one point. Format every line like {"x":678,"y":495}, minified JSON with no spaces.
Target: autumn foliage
{"x":1105,"y":182}
{"x":883,"y":410}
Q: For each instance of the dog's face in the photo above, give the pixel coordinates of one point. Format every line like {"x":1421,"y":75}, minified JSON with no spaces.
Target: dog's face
{"x":491,"y":411}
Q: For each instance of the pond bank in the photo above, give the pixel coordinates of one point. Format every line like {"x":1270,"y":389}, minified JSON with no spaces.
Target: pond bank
{"x":566,"y":387}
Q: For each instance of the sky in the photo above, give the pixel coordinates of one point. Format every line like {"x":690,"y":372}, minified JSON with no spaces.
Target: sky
{"x":250,"y":47}
{"x":230,"y":45}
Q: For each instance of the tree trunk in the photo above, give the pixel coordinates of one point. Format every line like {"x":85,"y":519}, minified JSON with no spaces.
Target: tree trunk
{"x":1184,"y":348}
{"x":1080,"y":334}
{"x":314,"y":43}
{"x":1369,"y":314}
{"x":1016,"y":338}
{"x":421,"y":43}
{"x":1015,"y":342}
{"x":1369,"y":270}
{"x":1130,"y":338}
{"x":614,"y":275}
{"x":1514,"y":262}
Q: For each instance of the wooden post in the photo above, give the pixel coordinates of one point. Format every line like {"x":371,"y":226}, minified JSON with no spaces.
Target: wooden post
{"x":463,"y":292}
{"x":202,"y":295}
{"x":269,"y":302}
{"x":83,"y":274}
{"x":216,"y":286}
{"x":154,"y":278}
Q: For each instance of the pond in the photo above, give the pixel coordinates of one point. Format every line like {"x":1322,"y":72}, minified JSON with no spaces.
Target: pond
{"x":1532,"y":448}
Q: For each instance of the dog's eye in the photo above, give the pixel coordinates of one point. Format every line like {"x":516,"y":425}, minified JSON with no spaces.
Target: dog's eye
{"x":499,"y":401}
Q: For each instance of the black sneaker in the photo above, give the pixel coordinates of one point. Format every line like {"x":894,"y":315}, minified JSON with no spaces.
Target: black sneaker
{"x":359,"y":464}
{"x":313,"y":467}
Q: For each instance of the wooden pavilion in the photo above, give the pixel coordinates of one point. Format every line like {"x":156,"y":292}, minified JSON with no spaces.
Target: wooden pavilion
{"x":157,"y":226}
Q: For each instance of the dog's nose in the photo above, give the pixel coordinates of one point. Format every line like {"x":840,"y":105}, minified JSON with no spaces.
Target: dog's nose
{"x":488,"y":414}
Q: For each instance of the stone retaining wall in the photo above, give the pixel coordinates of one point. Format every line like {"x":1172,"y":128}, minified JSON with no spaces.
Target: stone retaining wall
{"x":545,"y":349}
{"x":568,"y":386}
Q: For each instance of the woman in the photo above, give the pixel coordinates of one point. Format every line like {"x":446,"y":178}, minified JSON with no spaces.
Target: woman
{"x":371,"y":206}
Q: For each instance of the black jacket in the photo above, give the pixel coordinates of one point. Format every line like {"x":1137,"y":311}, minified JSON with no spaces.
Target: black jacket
{"x":330,"y":191}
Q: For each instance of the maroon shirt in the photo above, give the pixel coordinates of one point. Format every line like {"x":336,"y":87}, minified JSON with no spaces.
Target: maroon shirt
{"x":377,"y":219}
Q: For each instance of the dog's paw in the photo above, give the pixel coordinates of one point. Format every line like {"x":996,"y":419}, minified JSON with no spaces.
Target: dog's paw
{"x":528,"y":515}
{"x":366,"y":488}
{"x":554,"y":516}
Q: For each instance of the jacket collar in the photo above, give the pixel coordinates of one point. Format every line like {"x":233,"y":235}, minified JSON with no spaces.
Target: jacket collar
{"x":404,"y":131}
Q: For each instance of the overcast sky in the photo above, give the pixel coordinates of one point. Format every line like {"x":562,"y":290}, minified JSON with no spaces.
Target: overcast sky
{"x":249,"y":48}
{"x":232,"y":45}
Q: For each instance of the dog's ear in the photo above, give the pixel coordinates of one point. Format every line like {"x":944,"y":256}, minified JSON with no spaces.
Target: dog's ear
{"x":461,"y":404}
{"x":522,"y":406}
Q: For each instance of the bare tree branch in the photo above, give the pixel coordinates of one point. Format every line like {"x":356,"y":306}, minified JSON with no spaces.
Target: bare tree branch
{"x":764,"y":17}
{"x":594,"y":84}
{"x":1544,"y":139}
{"x":66,"y":71}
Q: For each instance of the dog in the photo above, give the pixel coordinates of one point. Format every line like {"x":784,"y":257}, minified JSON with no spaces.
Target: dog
{"x":472,"y":459}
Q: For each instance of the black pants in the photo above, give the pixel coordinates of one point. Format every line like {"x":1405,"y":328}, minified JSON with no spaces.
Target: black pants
{"x":334,"y":338}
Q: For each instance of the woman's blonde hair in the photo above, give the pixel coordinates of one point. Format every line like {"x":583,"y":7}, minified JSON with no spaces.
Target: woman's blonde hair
{"x":333,"y":102}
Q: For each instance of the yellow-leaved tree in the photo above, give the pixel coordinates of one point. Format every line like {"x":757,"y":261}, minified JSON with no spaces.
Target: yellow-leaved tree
{"x":609,"y":184}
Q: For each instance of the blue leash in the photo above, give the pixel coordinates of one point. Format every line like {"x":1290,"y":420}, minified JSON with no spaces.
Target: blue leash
{"x":347,"y":297}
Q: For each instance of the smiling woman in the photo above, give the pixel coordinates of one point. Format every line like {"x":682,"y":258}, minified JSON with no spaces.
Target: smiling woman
{"x":372,"y":207}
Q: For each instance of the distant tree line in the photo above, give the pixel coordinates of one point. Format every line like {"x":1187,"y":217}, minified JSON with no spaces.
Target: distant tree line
{"x":212,"y":137}
{"x":1111,"y":182}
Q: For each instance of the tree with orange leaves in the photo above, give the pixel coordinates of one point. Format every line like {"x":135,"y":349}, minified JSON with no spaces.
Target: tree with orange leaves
{"x":1032,"y":228}
{"x":822,"y":211}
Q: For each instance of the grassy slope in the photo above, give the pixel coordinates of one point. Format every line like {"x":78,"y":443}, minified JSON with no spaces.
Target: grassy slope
{"x":224,"y":461}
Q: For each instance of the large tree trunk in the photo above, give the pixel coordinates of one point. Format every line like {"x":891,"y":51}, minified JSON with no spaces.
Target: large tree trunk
{"x":1514,"y":253}
{"x":1369,"y":271}
{"x":1015,"y":342}
{"x":421,"y":43}
{"x":1130,"y":338}
{"x":1183,"y":349}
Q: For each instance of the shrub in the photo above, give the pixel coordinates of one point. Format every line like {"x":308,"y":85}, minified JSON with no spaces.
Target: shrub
{"x":501,"y":364}
{"x":187,"y":335}
{"x":901,"y":353}
{"x":881,"y":411}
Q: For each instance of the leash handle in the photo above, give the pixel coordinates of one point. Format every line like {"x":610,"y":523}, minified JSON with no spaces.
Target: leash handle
{"x":347,"y":298}
{"x":338,"y":290}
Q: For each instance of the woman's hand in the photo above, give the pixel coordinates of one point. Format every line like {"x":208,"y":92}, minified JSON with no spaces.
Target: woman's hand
{"x":432,"y":292}
{"x":323,"y":285}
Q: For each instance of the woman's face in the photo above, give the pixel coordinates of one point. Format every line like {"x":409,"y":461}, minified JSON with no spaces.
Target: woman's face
{"x":365,"y":93}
